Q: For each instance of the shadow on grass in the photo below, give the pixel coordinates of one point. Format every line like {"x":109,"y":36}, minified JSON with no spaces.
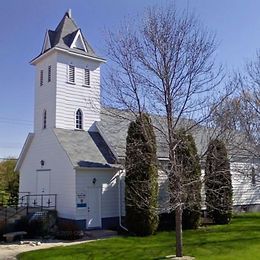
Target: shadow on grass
{"x":224,"y":241}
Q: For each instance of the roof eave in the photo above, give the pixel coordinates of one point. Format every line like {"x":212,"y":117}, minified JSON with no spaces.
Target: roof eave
{"x":41,"y":56}
{"x":25,"y":148}
{"x":48,"y":52}
{"x":111,"y":167}
{"x":98,"y":59}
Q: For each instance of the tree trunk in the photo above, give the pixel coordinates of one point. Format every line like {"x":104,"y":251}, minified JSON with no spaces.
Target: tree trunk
{"x":178,"y":230}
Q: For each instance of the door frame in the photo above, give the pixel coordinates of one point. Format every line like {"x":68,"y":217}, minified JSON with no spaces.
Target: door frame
{"x":47,"y":173}
{"x":96,"y":201}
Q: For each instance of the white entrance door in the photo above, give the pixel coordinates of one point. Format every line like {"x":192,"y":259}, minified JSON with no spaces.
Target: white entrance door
{"x":43,"y":188}
{"x":93,"y":207}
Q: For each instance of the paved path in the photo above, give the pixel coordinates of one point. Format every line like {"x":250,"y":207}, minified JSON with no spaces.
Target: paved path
{"x":10,"y":251}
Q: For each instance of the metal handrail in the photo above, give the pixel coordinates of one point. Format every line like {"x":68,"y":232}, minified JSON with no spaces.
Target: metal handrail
{"x":21,"y":205}
{"x":35,"y":205}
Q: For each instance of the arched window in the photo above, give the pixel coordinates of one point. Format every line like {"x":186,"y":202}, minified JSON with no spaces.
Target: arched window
{"x":79,"y":116}
{"x":44,"y":119}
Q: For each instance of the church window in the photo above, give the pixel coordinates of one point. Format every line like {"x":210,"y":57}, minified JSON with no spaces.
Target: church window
{"x":44,"y":125}
{"x":79,"y":116}
{"x":71,"y":74}
{"x":87,"y":77}
{"x":41,"y":77}
{"x":253,"y":175}
{"x":49,"y":73}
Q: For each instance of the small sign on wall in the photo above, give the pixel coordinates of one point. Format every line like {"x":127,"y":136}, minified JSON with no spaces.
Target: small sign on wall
{"x":81,"y":200}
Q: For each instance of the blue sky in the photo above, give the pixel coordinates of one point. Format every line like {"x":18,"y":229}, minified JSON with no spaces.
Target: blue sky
{"x":24,"y":22}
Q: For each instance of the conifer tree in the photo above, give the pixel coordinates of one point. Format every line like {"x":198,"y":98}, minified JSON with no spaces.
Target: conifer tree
{"x":141,"y":180}
{"x":187,"y":161}
{"x":218,"y":185}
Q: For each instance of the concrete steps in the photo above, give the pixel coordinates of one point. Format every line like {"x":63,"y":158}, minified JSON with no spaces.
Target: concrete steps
{"x":12,"y":215}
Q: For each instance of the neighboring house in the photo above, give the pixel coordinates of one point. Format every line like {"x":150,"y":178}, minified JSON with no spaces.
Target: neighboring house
{"x":76,"y":149}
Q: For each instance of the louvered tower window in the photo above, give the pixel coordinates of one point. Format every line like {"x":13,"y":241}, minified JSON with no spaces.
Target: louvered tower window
{"x":87,"y":77}
{"x":71,"y":74}
{"x":44,"y":123}
{"x":49,"y":73}
{"x":41,"y":77}
{"x":79,"y":117}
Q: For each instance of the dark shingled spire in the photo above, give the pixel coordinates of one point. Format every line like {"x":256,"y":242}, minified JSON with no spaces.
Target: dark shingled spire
{"x":64,"y":35}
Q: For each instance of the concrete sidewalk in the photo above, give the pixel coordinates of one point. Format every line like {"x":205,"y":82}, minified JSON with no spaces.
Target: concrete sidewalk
{"x":9,"y":251}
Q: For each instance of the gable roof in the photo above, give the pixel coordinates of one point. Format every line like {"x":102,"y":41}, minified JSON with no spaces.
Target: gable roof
{"x":85,"y":149}
{"x":114,"y":126}
{"x":25,"y":148}
{"x":63,"y":37}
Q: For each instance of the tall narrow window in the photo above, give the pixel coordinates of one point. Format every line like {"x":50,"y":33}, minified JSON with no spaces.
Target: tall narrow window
{"x":71,"y":74}
{"x":41,"y":77}
{"x":49,"y":73}
{"x":87,"y":77}
{"x":79,"y":116}
{"x":253,"y":175}
{"x":44,"y":123}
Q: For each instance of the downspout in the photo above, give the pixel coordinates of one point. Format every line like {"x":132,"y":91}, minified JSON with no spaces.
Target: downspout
{"x":119,"y":202}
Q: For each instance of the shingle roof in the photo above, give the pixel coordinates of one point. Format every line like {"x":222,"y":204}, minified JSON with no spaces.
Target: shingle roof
{"x":100,"y":149}
{"x":114,"y":125}
{"x":85,"y":149}
{"x":64,"y":34}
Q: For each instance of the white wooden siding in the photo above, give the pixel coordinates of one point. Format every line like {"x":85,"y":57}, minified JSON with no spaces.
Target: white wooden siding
{"x":107,"y":181}
{"x":244,"y":191}
{"x":45,"y":95}
{"x":70,"y":97}
{"x":45,"y":147}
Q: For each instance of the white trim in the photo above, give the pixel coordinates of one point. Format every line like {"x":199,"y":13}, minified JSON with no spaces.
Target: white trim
{"x":78,"y":36}
{"x":35,"y":60}
{"x":24,"y":151}
{"x":81,"y":168}
{"x":80,"y":55}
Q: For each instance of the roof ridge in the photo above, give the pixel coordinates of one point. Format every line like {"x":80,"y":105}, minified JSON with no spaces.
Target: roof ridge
{"x":66,"y":15}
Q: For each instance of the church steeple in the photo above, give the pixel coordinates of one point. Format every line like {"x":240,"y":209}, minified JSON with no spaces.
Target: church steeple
{"x":67,"y":89}
{"x":67,"y":36}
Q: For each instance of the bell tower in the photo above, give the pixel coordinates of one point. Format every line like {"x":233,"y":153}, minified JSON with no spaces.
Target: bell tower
{"x":67,"y":81}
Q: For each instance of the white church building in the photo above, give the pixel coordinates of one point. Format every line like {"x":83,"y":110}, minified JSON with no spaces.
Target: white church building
{"x":66,"y":155}
{"x":75,"y":150}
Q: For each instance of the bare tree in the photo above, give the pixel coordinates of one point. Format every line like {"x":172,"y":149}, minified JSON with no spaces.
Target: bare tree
{"x":164,"y":65}
{"x":241,"y":111}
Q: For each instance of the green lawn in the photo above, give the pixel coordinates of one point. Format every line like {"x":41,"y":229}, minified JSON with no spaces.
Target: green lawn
{"x":238,"y":240}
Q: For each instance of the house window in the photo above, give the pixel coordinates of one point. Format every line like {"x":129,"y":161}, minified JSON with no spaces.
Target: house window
{"x":49,"y":74}
{"x":44,"y":123}
{"x":87,"y":77}
{"x":79,"y":116}
{"x":253,"y":176}
{"x":71,"y":74}
{"x":41,"y":77}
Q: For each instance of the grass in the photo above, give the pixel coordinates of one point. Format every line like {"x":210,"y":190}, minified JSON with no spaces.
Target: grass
{"x":238,"y":240}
